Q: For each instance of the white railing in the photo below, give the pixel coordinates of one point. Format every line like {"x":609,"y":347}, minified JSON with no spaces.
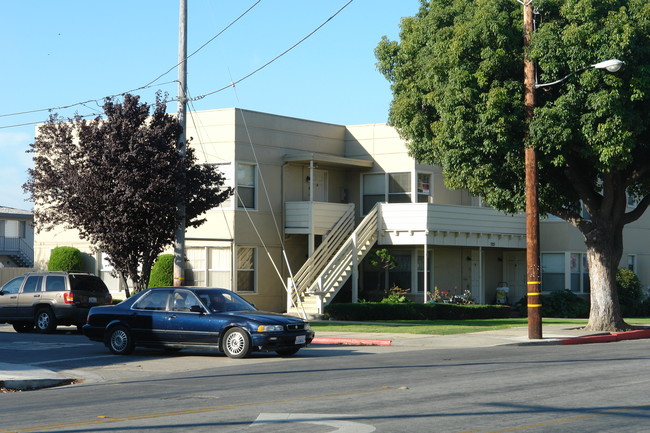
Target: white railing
{"x":310,"y":270}
{"x":340,"y":266}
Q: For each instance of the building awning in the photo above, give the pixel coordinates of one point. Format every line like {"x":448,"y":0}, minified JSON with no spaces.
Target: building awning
{"x":325,"y":159}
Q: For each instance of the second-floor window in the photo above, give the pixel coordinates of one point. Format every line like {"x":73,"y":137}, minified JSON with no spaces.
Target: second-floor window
{"x":386,"y":188}
{"x":245,"y":186}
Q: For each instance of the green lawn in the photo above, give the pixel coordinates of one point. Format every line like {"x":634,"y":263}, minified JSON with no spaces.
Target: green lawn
{"x":445,"y":327}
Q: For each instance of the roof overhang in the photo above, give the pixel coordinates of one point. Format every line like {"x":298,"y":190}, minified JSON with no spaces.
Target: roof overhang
{"x":325,"y":159}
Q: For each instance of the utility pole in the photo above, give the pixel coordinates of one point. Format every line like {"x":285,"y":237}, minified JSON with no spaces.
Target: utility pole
{"x":533,"y":277}
{"x":179,"y":240}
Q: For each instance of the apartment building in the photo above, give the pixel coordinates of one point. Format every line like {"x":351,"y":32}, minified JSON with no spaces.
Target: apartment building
{"x":313,"y":200}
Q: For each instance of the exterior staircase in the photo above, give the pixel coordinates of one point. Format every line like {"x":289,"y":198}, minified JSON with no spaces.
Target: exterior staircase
{"x":18,"y":250}
{"x":324,"y":273}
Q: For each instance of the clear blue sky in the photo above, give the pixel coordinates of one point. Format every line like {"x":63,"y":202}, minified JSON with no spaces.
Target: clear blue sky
{"x":58,"y":53}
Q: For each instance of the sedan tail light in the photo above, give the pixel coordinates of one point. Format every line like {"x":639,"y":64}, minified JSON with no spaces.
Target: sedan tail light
{"x":68,"y":297}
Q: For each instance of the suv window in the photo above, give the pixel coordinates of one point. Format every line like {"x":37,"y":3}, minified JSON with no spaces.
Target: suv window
{"x":13,"y":286}
{"x":33,"y":284}
{"x":55,"y":284}
{"x":88,"y":283}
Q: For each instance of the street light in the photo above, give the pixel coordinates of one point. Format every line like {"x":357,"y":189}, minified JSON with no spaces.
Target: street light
{"x":613,"y":65}
{"x":533,"y":269}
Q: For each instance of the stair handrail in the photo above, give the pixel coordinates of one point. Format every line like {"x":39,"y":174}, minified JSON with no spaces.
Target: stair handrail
{"x":308,"y":272}
{"x":364,"y":232}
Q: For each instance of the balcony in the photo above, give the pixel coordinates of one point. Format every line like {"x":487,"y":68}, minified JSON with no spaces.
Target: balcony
{"x":313,"y":217}
{"x":439,"y":224}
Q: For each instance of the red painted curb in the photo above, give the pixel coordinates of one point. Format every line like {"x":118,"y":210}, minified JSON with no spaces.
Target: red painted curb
{"x":633,"y":335}
{"x":608,"y":338}
{"x":605,"y":338}
{"x":351,"y":341}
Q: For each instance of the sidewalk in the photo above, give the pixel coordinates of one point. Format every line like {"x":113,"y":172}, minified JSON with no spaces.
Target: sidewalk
{"x":15,"y":377}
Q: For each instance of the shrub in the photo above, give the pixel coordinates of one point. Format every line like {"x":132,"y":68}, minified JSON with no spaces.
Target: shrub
{"x":162,"y":271}
{"x":371,"y":311}
{"x":630,"y":292}
{"x":396,"y":295}
{"x":64,"y":259}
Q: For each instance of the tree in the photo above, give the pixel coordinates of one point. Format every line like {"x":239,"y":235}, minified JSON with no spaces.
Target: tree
{"x":119,"y":181}
{"x":457,"y":81}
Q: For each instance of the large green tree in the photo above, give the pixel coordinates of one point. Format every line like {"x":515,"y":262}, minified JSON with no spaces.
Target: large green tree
{"x":457,"y":80}
{"x":119,"y":180}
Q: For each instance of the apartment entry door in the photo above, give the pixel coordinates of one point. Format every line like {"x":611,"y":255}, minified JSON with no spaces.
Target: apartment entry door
{"x":515,"y":274}
{"x":319,"y":183}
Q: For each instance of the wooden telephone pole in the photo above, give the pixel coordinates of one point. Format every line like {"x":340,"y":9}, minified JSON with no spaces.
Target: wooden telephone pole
{"x":533,"y":275}
{"x":179,"y":241}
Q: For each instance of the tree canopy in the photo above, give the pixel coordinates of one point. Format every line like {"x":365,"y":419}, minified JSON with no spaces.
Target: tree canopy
{"x":119,"y":181}
{"x":457,"y":81}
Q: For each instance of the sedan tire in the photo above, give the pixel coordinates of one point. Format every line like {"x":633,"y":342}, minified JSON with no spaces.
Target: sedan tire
{"x":236,"y":343}
{"x":120,"y":341}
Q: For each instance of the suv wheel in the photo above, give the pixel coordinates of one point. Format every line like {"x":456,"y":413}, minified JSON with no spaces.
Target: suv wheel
{"x":45,"y":321}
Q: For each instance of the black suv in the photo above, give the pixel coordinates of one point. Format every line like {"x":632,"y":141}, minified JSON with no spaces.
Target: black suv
{"x":47,"y":299}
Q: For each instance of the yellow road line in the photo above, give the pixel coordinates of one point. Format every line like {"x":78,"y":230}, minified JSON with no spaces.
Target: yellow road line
{"x":104,"y":419}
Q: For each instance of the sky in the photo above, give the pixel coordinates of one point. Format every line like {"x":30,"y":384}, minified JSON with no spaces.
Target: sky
{"x":57,"y":54}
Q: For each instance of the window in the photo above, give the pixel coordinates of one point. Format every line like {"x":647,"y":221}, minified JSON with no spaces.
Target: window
{"x":245,"y":186}
{"x":374,"y":190}
{"x":552,"y":272}
{"x":55,"y":284}
{"x":400,"y":275}
{"x":386,"y":188}
{"x":245,"y":269}
{"x":33,"y":284}
{"x":631,"y":262}
{"x":195,"y":268}
{"x":219,"y":265}
{"x":208,"y":267}
{"x":227,"y":170}
{"x":156,"y":301}
{"x":13,"y":286}
{"x":424,"y":187}
{"x":399,"y":188}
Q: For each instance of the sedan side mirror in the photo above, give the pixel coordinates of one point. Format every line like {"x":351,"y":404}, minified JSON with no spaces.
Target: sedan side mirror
{"x":197,"y":309}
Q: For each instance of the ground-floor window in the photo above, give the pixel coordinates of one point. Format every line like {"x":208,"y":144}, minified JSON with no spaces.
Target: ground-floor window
{"x":208,"y":267}
{"x":245,"y":269}
{"x":565,"y":270}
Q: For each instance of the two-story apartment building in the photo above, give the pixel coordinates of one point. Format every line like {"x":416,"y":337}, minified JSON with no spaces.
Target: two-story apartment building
{"x":313,"y":199}
{"x":16,"y":238}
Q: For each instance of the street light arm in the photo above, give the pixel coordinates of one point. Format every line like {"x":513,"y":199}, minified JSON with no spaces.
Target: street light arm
{"x":611,"y":65}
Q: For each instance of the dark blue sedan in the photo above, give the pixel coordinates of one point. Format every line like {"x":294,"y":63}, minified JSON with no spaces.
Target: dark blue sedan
{"x":199,"y":318}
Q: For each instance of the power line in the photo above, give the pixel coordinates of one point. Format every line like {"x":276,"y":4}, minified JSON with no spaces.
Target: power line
{"x":197,"y":98}
{"x":146,"y":86}
{"x":233,"y":83}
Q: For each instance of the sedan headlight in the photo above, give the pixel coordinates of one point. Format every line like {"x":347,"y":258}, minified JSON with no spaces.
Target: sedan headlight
{"x":270,"y":328}
{"x":307,"y":327}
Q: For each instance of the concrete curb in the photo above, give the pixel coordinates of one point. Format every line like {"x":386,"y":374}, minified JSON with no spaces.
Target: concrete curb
{"x":352,"y":341}
{"x":609,"y":338}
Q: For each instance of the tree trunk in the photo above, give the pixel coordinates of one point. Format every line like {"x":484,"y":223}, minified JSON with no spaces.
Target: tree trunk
{"x":604,"y":251}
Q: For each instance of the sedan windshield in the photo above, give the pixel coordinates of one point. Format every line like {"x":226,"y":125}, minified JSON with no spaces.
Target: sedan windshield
{"x":219,"y":301}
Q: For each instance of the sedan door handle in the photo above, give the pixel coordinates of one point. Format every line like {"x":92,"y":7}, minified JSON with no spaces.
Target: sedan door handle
{"x":173,"y":316}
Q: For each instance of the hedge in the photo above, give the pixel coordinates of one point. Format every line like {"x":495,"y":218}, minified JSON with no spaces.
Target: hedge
{"x":64,"y":259}
{"x":372,"y":311}
{"x":162,"y":271}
